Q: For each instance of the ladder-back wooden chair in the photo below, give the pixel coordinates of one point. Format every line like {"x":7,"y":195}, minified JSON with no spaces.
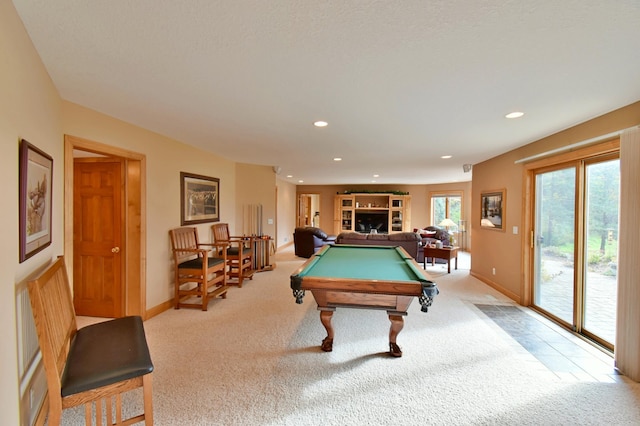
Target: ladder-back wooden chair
{"x":199,"y":271}
{"x":239,"y":253}
{"x":89,"y":365}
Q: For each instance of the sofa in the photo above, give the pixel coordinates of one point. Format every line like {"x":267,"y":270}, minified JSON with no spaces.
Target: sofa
{"x":410,"y":241}
{"x":309,"y":240}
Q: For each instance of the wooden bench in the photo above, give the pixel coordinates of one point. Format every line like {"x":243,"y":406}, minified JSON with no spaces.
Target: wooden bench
{"x":92,"y":364}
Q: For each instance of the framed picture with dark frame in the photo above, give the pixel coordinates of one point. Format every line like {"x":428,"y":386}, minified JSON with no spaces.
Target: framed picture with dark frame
{"x":493,"y":209}
{"x":36,"y":176}
{"x":199,"y":199}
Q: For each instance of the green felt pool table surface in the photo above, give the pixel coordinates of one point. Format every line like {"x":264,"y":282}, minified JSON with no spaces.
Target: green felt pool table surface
{"x":363,"y":262}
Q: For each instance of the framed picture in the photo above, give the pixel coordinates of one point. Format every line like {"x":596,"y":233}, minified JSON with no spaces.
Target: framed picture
{"x":493,"y":209}
{"x":36,"y":175}
{"x":200,"y":199}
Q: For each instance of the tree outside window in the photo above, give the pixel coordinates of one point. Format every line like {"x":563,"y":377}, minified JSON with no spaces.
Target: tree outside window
{"x":446,"y":206}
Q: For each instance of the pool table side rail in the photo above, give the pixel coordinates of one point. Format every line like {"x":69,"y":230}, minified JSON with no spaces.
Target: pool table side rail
{"x":422,"y":287}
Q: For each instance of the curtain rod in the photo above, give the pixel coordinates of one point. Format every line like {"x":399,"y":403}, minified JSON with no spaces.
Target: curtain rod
{"x":572,"y":146}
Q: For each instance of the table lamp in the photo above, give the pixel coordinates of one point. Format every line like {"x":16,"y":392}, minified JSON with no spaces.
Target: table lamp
{"x":447,"y":223}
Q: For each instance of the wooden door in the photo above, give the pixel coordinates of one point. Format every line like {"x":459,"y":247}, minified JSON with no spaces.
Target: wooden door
{"x":97,"y":237}
{"x":304,"y":207}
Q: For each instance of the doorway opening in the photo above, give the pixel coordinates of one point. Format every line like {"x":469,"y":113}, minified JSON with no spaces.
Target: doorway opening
{"x":132,"y":250}
{"x":308,"y":210}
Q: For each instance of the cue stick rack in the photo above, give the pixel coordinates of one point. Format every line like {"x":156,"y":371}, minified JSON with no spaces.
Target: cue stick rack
{"x":262,"y":245}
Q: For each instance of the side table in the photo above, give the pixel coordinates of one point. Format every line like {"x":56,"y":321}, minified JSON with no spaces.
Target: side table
{"x":446,"y":253}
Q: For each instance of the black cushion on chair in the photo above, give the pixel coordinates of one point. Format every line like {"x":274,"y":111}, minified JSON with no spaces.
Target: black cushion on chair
{"x":105,"y":353}
{"x":233,"y":251}
{"x":197,"y":263}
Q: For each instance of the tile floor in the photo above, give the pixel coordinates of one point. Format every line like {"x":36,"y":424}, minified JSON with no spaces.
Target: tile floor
{"x":563,"y":353}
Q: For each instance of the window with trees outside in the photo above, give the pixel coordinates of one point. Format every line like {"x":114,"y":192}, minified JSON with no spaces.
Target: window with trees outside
{"x":446,"y":205}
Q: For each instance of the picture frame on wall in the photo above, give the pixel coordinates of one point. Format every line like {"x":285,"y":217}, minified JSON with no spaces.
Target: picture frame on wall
{"x":493,"y":209}
{"x":199,"y":199}
{"x":35,"y":199}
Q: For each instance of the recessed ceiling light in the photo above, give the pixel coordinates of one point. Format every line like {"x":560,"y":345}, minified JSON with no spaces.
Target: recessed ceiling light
{"x":289,"y":176}
{"x":373,"y":181}
{"x":376,"y":176}
{"x":515,"y":114}
{"x":300,"y":181}
{"x":320,"y":123}
{"x":445,"y":157}
{"x":337,"y":159}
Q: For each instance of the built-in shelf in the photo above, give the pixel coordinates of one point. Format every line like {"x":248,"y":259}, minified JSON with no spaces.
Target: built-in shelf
{"x":366,"y":212}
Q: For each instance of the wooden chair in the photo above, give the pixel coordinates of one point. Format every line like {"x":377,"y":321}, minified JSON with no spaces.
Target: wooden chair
{"x":239,"y":253}
{"x":199,"y":272}
{"x":92,"y":364}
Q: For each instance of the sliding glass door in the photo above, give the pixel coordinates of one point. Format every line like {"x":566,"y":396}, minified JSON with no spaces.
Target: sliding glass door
{"x":575,"y":246}
{"x":602,"y":181}
{"x":554,"y":273}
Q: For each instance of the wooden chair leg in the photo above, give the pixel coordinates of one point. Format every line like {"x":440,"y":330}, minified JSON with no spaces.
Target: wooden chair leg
{"x":240,"y":274}
{"x":118,"y":409}
{"x":204,"y":291}
{"x":88,"y":417}
{"x":177,"y":290}
{"x":109,"y":412}
{"x":147,"y":384}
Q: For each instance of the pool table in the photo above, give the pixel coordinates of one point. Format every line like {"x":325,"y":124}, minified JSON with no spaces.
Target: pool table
{"x":370,"y":277}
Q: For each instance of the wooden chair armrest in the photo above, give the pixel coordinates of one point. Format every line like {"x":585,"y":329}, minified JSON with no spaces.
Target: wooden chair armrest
{"x":239,"y":242}
{"x":194,"y":250}
{"x":217,"y":245}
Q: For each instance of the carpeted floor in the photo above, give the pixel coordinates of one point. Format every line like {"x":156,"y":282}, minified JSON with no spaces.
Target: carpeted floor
{"x":254,"y":359}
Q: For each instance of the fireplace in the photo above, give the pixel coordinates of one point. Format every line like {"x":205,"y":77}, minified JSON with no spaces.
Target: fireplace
{"x":366,"y":221}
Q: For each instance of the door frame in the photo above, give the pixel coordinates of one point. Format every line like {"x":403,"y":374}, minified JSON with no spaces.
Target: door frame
{"x":134,"y":212}
{"x":528,"y":262}
{"x":299,"y":199}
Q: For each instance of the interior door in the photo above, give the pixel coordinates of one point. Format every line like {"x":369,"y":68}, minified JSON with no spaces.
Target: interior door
{"x":304,"y":210}
{"x":97,"y":234}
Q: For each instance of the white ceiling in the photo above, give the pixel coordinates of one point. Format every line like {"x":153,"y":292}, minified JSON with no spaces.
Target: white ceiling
{"x":401,"y":82}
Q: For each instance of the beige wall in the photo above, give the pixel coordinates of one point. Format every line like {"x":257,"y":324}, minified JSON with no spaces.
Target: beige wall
{"x":165,"y":159}
{"x":255,"y":185}
{"x":29,"y":109}
{"x":504,"y":250}
{"x":286,"y":212}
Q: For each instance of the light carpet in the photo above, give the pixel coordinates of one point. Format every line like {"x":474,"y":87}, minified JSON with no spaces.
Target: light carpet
{"x":254,"y":359}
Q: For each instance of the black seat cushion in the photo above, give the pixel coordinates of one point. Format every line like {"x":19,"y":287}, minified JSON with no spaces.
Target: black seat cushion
{"x":106,"y":353}
{"x":233,"y":251}
{"x":197,"y":263}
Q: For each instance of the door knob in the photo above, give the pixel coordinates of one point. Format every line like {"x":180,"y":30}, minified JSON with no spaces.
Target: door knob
{"x":115,"y":250}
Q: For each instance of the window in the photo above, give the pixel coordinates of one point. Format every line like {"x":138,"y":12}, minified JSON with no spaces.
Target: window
{"x":445,"y":205}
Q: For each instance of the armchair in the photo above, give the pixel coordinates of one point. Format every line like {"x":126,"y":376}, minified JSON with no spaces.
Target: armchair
{"x":309,"y":240}
{"x":239,"y":253}
{"x":197,"y":272}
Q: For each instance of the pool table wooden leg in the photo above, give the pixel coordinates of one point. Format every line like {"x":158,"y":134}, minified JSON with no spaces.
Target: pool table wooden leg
{"x":325,"y":318}
{"x":397,"y":323}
